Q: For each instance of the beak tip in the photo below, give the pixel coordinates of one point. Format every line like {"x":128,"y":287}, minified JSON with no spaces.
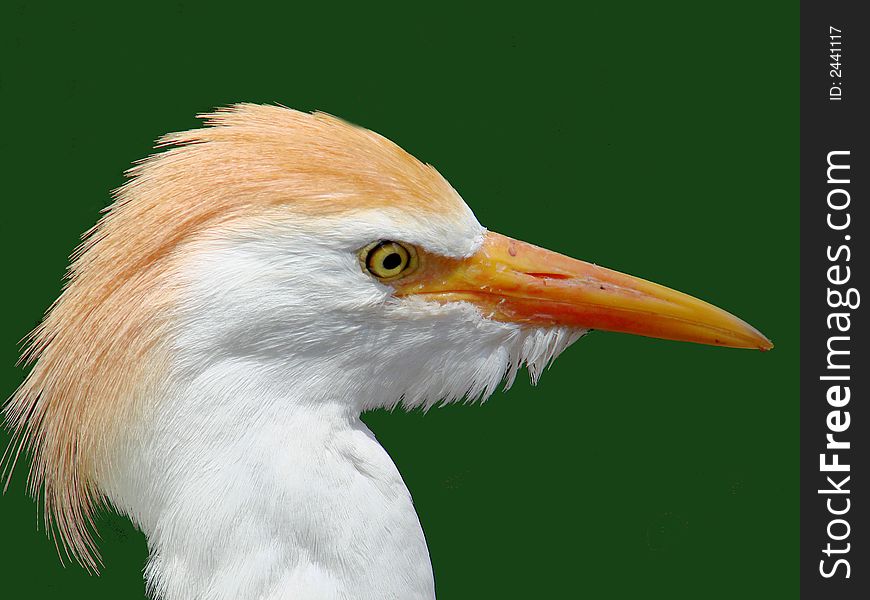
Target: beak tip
{"x":760,"y":341}
{"x":742,"y":335}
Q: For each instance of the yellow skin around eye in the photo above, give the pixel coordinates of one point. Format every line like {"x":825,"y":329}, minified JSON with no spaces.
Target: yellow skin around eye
{"x":373,"y":258}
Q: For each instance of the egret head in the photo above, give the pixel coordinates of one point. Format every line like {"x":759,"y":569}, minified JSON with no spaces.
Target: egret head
{"x":303,"y":252}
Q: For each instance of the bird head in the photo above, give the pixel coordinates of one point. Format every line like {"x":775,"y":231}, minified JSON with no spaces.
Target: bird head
{"x":306,"y":253}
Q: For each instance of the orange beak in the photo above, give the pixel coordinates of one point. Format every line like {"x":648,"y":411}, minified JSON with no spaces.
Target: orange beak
{"x":513,"y":281}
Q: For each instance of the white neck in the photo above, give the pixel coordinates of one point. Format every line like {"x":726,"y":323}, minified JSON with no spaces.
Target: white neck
{"x":294,"y":498}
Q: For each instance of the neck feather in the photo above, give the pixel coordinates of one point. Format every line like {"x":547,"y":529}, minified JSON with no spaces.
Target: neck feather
{"x":273,"y":494}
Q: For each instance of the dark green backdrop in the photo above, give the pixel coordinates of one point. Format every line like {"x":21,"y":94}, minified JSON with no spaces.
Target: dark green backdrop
{"x":656,"y":138}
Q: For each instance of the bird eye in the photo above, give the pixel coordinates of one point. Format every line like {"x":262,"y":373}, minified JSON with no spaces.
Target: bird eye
{"x":388,"y":260}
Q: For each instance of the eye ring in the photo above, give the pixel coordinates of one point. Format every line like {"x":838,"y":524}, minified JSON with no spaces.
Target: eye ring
{"x":388,"y":260}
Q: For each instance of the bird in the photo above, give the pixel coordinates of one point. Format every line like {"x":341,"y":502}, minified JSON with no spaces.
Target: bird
{"x":256,"y":285}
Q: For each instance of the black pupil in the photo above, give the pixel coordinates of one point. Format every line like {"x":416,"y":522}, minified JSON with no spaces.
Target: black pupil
{"x":391,"y":261}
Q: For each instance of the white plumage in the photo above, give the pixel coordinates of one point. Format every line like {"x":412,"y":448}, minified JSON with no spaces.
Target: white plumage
{"x":254,"y":464}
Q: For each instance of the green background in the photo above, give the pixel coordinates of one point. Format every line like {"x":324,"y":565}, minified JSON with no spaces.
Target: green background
{"x":656,"y":138}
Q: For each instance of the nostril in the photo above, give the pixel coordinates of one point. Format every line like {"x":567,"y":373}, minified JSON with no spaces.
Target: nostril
{"x":549,"y":275}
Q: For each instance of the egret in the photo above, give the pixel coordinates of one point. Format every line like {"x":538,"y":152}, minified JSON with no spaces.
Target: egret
{"x":255,"y":287}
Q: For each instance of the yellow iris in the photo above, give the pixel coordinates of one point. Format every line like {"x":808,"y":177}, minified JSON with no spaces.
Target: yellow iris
{"x":388,"y":260}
